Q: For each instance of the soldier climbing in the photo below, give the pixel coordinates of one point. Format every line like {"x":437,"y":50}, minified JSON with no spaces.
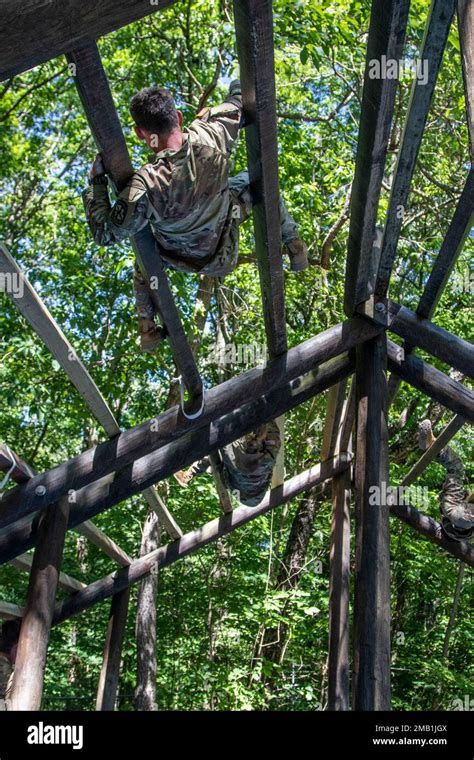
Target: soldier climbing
{"x":186,"y":194}
{"x":246,"y":464}
{"x":456,"y":504}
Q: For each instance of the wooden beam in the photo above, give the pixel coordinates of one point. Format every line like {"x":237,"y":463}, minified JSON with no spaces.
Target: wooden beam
{"x":436,"y":447}
{"x":434,"y":41}
{"x":196,"y":444}
{"x":254,"y":34}
{"x":371,"y":682}
{"x":386,"y":38}
{"x":436,"y":384}
{"x":465,"y":12}
{"x":224,"y":399}
{"x":97,"y":537}
{"x":453,"y":243}
{"x":196,"y":539}
{"x":347,"y":422}
{"x":339,"y":563}
{"x":48,"y":330}
{"x":9,"y":611}
{"x":332,"y":422}
{"x":222,"y":492}
{"x":110,"y":670}
{"x":25,"y":561}
{"x":36,"y":31}
{"x":33,"y":309}
{"x":28,"y":676}
{"x":97,"y":101}
{"x":446,"y":346}
{"x":433,"y":532}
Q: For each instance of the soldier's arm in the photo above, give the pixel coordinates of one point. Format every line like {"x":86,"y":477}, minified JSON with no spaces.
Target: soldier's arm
{"x":111,"y":223}
{"x":226,"y":120}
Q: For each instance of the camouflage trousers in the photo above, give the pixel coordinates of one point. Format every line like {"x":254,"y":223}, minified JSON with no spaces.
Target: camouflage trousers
{"x":451,"y":499}
{"x":242,"y":199}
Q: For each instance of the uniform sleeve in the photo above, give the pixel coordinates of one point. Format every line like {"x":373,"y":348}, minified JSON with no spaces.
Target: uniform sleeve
{"x":127,"y":216}
{"x":225,"y":120}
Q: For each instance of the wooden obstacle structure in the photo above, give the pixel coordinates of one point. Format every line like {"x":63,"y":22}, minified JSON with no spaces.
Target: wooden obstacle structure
{"x":38,"y":512}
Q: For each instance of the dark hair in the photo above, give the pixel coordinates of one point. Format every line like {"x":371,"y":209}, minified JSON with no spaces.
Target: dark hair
{"x":154,"y":109}
{"x":9,"y":634}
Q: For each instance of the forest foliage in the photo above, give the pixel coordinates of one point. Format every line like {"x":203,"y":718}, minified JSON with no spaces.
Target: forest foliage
{"x":214,"y":608}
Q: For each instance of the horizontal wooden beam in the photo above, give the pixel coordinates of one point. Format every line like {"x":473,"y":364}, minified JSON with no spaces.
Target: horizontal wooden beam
{"x":196,"y":539}
{"x":386,"y":38}
{"x":224,"y":399}
{"x":71,"y":585}
{"x":9,"y":611}
{"x":422,"y":333}
{"x":38,"y":30}
{"x":436,"y":447}
{"x":254,"y":35}
{"x":431,"y":381}
{"x":195,"y":444}
{"x":434,"y":41}
{"x":431,"y":530}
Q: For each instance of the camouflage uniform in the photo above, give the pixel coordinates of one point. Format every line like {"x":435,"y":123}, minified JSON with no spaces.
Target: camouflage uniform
{"x":453,"y":504}
{"x":247,"y":464}
{"x":6,"y":676}
{"x":194,"y":208}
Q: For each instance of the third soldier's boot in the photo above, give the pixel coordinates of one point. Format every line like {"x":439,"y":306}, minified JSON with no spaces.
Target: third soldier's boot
{"x":150,"y":335}
{"x":425,"y":435}
{"x":298,"y":254}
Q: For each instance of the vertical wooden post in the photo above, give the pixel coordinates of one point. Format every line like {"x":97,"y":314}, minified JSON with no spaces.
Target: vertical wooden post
{"x":338,"y":657}
{"x":371,"y":682}
{"x":28,"y":679}
{"x":110,"y":671}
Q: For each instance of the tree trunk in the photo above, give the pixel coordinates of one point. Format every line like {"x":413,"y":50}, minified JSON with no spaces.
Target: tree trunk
{"x":145,"y":692}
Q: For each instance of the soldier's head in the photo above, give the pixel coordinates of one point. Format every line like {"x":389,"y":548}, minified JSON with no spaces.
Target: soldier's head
{"x":155,"y":115}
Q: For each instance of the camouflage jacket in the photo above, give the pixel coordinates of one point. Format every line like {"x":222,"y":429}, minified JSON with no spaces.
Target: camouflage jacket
{"x":183,"y":194}
{"x":453,"y":503}
{"x":248,"y":465}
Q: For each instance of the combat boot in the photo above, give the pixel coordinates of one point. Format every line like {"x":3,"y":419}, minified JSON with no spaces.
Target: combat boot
{"x":298,"y":254}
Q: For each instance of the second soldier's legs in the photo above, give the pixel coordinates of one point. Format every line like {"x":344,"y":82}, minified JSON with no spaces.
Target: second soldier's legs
{"x":151,"y":334}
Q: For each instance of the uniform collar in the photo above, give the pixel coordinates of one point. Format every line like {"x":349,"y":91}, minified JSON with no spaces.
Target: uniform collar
{"x":169,"y":153}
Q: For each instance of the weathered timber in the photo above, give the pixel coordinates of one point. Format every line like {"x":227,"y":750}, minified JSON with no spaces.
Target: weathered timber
{"x":465,"y":12}
{"x":222,"y":492}
{"x":36,"y":31}
{"x":137,"y":442}
{"x":9,"y":611}
{"x":339,"y":564}
{"x":28,"y":678}
{"x":110,"y":670}
{"x":48,"y":330}
{"x":446,"y":346}
{"x":25,"y":561}
{"x":195,"y":444}
{"x":434,"y":41}
{"x":332,"y":422}
{"x":196,"y":539}
{"x":371,"y":682}
{"x":97,"y":537}
{"x":429,"y":380}
{"x":457,"y":233}
{"x":386,"y":38}
{"x":254,"y":33}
